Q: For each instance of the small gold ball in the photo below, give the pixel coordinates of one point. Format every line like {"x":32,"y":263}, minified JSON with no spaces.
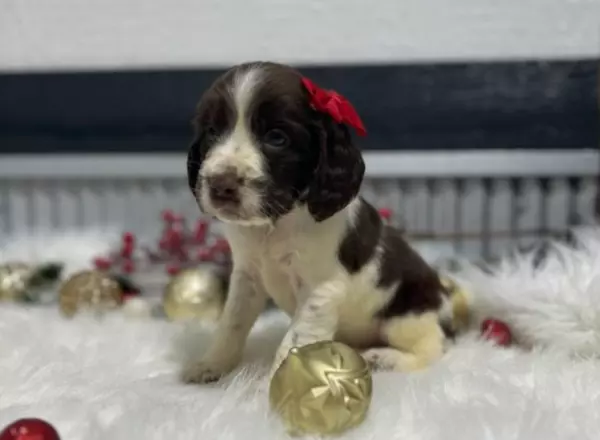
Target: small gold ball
{"x":194,"y":294}
{"x":89,"y":289}
{"x":323,"y":388}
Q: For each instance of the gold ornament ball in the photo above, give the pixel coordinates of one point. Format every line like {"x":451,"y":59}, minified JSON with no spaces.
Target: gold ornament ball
{"x":14,"y":280}
{"x":323,"y":388}
{"x":89,"y":289}
{"x":197,"y":293}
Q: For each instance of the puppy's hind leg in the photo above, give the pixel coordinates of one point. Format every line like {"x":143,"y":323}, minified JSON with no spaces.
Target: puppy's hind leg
{"x":415,"y":342}
{"x":383,"y":358}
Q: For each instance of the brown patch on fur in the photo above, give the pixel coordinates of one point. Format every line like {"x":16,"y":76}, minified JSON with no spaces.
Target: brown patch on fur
{"x":361,"y":240}
{"x":419,"y":288}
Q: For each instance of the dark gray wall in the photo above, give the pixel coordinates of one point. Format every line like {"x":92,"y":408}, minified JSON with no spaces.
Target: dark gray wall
{"x":531,"y":105}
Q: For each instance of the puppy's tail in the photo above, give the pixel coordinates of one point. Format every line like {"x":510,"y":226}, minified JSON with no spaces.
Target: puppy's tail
{"x":455,"y":314}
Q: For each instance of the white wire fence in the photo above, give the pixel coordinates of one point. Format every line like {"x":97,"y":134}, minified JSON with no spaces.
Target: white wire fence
{"x":477,"y":204}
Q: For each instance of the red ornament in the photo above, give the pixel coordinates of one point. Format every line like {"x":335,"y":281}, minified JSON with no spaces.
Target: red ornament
{"x":335,"y":105}
{"x":29,"y":429}
{"x":496,"y":331}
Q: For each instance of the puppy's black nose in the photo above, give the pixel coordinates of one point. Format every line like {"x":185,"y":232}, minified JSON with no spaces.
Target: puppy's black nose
{"x":224,"y":188}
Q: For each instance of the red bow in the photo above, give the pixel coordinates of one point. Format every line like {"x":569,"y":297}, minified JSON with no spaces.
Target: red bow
{"x":335,"y":105}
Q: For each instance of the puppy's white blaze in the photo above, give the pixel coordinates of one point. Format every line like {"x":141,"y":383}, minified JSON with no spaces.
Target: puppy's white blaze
{"x":243,"y":89}
{"x":238,"y":149}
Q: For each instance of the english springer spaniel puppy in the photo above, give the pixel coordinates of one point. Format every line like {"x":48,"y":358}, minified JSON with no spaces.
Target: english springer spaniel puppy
{"x":284,"y":178}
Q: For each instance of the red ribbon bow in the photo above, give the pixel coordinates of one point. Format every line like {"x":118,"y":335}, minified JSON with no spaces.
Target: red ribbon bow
{"x":335,"y":105}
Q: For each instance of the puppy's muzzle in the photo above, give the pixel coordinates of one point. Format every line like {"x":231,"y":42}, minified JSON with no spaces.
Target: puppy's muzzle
{"x":224,"y":189}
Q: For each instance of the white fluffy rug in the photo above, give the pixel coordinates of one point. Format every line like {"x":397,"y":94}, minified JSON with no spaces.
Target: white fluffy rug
{"x":117,"y":378}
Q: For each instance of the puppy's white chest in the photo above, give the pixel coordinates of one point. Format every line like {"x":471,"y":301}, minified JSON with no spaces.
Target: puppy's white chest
{"x":280,"y":254}
{"x":281,"y":249}
{"x":285,"y":257}
{"x":281,"y":272}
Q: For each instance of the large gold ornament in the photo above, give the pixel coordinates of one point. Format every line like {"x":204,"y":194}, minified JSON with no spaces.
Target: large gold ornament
{"x":194,"y":294}
{"x":89,"y":289}
{"x":14,"y":280}
{"x":322,"y":388}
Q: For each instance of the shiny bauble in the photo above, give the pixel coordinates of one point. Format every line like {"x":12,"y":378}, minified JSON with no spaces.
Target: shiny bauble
{"x":197,"y":293}
{"x":22,"y":282}
{"x":497,"y":332}
{"x":29,"y":429}
{"x":14,"y":280}
{"x":323,"y":388}
{"x":89,"y":290}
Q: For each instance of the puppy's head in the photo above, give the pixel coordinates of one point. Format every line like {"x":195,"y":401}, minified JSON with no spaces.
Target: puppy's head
{"x":260,"y":149}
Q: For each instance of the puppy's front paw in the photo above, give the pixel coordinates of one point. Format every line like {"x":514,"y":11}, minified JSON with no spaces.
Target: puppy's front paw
{"x":207,"y":371}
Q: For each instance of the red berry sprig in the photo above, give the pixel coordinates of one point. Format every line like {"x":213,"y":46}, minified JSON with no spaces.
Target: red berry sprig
{"x":102,"y":263}
{"x":177,"y":248}
{"x":200,"y":232}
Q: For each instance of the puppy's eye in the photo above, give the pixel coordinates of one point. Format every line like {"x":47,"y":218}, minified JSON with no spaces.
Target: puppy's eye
{"x":276,"y":138}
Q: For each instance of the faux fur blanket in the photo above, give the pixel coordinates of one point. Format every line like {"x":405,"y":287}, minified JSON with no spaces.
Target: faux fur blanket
{"x":117,"y":378}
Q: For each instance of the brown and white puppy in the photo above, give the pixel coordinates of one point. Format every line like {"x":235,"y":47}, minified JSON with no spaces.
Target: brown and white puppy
{"x":284,"y":178}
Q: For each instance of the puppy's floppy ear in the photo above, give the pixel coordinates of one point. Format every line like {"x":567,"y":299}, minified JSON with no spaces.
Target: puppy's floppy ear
{"x":194,"y":161}
{"x":339,"y":172}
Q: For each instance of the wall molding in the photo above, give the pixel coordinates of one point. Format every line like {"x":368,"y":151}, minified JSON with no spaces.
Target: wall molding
{"x":380,"y":164}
